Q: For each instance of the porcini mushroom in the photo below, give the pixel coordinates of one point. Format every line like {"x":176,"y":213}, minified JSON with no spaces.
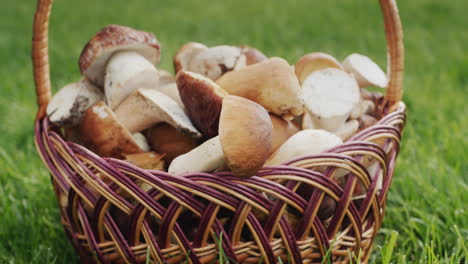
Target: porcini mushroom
{"x":69,"y":104}
{"x":168,"y":86}
{"x":252,"y":55}
{"x":146,"y":160}
{"x":282,"y":131}
{"x":348,"y":129}
{"x":315,"y":61}
{"x":271,"y":83}
{"x":304,"y":143}
{"x":330,"y":95}
{"x":202,"y":99}
{"x":205,"y":158}
{"x":113,"y":38}
{"x":140,"y":139}
{"x":105,"y":135}
{"x":366,"y":71}
{"x":363,"y":107}
{"x":185,"y":55}
{"x":216,"y":61}
{"x":164,"y":138}
{"x":245,"y":132}
{"x":366,"y":121}
{"x":126,"y":72}
{"x":145,"y":108}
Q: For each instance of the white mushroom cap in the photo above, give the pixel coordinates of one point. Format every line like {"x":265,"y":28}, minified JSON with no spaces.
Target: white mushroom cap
{"x":126,"y":72}
{"x":113,"y":38}
{"x":304,"y":143}
{"x":366,"y":71}
{"x":216,"y":61}
{"x":205,"y":158}
{"x":153,"y":107}
{"x":69,"y":105}
{"x":330,"y":95}
{"x":185,"y":55}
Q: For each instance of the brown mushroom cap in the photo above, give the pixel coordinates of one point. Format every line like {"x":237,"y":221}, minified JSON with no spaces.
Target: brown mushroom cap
{"x":271,"y":83}
{"x":315,"y":61}
{"x":282,"y":130}
{"x":185,"y":54}
{"x":112,"y":38}
{"x":103,"y":134}
{"x":252,"y":55}
{"x":245,"y":132}
{"x":202,"y":99}
{"x":164,"y":138}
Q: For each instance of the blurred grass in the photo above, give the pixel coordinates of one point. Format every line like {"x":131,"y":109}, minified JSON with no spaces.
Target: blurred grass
{"x":429,"y":196}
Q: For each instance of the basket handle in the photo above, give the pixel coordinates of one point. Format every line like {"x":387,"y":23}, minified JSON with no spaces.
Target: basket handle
{"x":40,"y":53}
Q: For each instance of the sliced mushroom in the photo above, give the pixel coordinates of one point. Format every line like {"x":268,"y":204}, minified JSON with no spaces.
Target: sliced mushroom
{"x":168,"y":86}
{"x":314,"y":62}
{"x":252,"y":55}
{"x":202,"y":99}
{"x":304,"y":143}
{"x":145,"y":108}
{"x":185,"y":55}
{"x":113,"y":38}
{"x":105,"y":135}
{"x":205,"y":158}
{"x":330,"y":95}
{"x":141,"y":141}
{"x":282,"y":131}
{"x":271,"y":83}
{"x":164,"y":138}
{"x":348,"y":129}
{"x":126,"y":72}
{"x":146,"y":160}
{"x":245,"y":132}
{"x":68,"y":105}
{"x":366,"y":71}
{"x":216,"y":61}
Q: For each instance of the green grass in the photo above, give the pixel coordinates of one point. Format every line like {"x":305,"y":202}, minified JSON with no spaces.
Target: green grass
{"x":428,"y":202}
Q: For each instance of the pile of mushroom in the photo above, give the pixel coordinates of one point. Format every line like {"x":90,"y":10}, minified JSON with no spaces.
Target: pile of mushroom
{"x":227,"y":108}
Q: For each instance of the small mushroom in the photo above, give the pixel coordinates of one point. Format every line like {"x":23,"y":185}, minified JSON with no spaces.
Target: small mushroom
{"x":304,"y":143}
{"x":113,"y":38}
{"x":141,"y":141}
{"x":271,"y":83}
{"x":216,"y":61}
{"x":146,"y":160}
{"x":126,"y":72}
{"x":164,"y":138}
{"x":105,"y":135}
{"x":245,"y":132}
{"x":252,"y":55}
{"x":364,"y":107}
{"x":145,"y":108}
{"x":348,"y":129}
{"x":168,"y":86}
{"x":202,"y":99}
{"x":314,"y":62}
{"x":330,"y":95}
{"x":185,"y":55}
{"x":205,"y":158}
{"x":282,"y":131}
{"x":366,"y":72}
{"x":68,"y":105}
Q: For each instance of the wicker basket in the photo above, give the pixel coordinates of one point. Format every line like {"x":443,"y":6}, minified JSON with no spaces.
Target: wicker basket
{"x":192,"y":218}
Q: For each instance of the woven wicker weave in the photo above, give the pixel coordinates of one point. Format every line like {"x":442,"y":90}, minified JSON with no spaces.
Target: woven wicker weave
{"x":260,"y":219}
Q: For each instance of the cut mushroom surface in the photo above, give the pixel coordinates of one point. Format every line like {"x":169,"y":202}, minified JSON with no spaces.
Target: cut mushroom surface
{"x":113,"y":38}
{"x":185,"y":54}
{"x":330,"y":95}
{"x":205,"y":158}
{"x":245,"y":132}
{"x":126,"y":72}
{"x":70,"y":103}
{"x":202,"y":99}
{"x":366,"y":71}
{"x":304,"y":143}
{"x":271,"y":83}
{"x":145,"y":108}
{"x":105,"y":135}
{"x":315,"y":61}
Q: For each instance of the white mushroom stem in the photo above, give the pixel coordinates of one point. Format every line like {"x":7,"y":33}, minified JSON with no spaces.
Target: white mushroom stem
{"x":330,"y":95}
{"x":69,"y":105}
{"x":366,"y":71}
{"x":126,"y":72}
{"x":147,"y":107}
{"x":140,"y":139}
{"x":348,"y":129}
{"x":168,"y":86}
{"x":304,"y":143}
{"x":364,"y":107}
{"x":205,"y":158}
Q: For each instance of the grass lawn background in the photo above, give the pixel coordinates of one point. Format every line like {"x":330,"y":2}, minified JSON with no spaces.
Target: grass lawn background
{"x":429,"y":195}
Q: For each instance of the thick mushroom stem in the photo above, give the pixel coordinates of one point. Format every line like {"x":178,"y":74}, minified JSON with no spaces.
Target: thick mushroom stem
{"x":126,"y":72}
{"x":205,"y":158}
{"x":153,"y":107}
